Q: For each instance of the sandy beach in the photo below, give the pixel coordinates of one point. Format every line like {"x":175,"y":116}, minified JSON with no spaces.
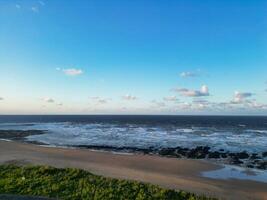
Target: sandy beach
{"x":167,"y":172}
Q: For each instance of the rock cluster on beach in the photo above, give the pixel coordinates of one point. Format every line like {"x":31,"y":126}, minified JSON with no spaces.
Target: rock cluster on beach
{"x":244,"y":159}
{"x":18,"y":135}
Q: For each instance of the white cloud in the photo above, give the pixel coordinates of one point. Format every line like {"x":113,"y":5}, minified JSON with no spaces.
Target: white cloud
{"x":223,"y":105}
{"x":94,"y":98}
{"x":35,"y":9}
{"x":170,"y":98}
{"x":48,"y":100}
{"x":1,"y":98}
{"x":185,"y":106}
{"x":158,"y":103}
{"x":72,"y":71}
{"x":241,"y":97}
{"x":18,"y":6}
{"x":196,"y":105}
{"x":188,"y":74}
{"x":256,"y":105}
{"x":200,"y":101}
{"x":100,"y":100}
{"x":200,"y":106}
{"x":129,"y":97}
{"x":204,"y":91}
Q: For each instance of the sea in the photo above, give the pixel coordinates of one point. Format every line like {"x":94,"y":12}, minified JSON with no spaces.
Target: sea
{"x":231,"y":133}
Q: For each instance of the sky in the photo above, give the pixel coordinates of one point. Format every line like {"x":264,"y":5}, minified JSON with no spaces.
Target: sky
{"x":133,"y":57}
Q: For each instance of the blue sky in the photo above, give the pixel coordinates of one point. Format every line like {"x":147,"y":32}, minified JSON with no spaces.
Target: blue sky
{"x":133,"y":57}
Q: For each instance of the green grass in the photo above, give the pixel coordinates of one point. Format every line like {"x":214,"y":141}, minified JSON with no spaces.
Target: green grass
{"x":79,"y":184}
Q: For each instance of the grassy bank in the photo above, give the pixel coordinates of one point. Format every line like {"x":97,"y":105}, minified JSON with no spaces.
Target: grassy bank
{"x":79,"y":184}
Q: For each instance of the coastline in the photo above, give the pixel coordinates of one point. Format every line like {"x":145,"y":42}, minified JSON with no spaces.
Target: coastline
{"x":241,"y":158}
{"x":166,"y":172}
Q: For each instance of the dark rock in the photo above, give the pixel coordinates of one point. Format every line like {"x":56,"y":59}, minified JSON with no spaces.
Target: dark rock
{"x":256,"y":161}
{"x":224,"y":155}
{"x":195,"y":154}
{"x":178,"y":155}
{"x":167,"y":152}
{"x":254,"y":156}
{"x":236,"y":161}
{"x":199,"y":152}
{"x":146,"y":151}
{"x":117,"y":149}
{"x":206,"y":149}
{"x":242,"y":155}
{"x":214,"y":154}
{"x":232,"y":155}
{"x":250,"y":166}
{"x":185,"y":149}
{"x":182,"y":151}
{"x":262,"y":165}
{"x":264,"y":154}
{"x":19,"y":135}
{"x":37,"y":143}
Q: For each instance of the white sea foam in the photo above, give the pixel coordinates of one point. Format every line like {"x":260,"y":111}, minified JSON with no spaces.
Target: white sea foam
{"x":144,"y":136}
{"x":185,"y":130}
{"x":6,"y":140}
{"x":257,"y":131}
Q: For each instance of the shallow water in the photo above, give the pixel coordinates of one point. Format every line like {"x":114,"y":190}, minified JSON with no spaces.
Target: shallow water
{"x":234,"y":172}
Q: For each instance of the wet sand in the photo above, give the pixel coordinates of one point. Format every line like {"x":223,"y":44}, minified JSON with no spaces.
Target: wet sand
{"x":166,"y":172}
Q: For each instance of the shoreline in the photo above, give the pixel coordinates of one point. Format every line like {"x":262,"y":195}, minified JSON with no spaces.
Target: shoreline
{"x":252,"y":160}
{"x":170,"y":173}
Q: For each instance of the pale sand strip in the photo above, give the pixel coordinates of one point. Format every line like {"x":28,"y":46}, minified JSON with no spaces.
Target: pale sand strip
{"x":166,"y":172}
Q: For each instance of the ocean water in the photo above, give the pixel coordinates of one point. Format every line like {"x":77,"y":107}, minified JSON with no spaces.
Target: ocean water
{"x":233,"y":133}
{"x":235,"y":172}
